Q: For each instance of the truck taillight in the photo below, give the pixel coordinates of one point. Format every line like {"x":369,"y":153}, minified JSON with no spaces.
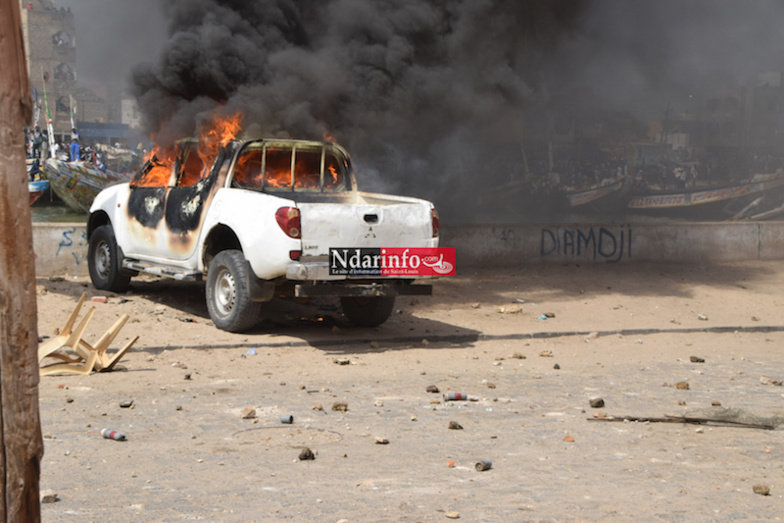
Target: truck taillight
{"x":288,"y":220}
{"x":436,"y":223}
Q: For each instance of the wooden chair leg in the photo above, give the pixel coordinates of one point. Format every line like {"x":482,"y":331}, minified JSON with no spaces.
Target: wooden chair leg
{"x":67,"y":368}
{"x":118,"y":355}
{"x":102,"y":345}
{"x":66,"y":341}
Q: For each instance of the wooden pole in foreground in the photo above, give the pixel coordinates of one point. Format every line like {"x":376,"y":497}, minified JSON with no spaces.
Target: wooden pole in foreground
{"x":21,"y":445}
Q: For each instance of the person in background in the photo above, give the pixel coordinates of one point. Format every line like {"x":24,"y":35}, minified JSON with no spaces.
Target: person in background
{"x":37,"y":141}
{"x":74,"y":148}
{"x":45,"y":146}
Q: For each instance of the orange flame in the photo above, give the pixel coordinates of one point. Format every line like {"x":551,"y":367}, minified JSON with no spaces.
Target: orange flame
{"x":214,"y":134}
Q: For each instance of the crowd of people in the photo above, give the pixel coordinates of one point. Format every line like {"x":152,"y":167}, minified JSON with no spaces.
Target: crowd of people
{"x":39,"y":148}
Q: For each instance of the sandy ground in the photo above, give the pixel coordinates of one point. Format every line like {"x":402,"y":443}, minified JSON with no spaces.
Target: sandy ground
{"x":190,"y":455}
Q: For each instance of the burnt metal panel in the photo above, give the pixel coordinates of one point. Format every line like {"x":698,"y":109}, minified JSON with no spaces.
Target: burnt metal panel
{"x":146,"y":205}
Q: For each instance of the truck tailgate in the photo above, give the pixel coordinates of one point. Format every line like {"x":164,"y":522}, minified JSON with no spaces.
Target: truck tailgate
{"x":334,"y":225}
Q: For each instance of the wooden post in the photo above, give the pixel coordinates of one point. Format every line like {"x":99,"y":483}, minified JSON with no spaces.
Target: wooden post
{"x":21,"y":445}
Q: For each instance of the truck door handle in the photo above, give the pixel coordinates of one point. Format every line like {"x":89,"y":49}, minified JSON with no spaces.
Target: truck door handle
{"x":371,"y":218}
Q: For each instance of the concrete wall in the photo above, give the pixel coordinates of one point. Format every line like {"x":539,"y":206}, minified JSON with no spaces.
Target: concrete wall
{"x":61,"y":248}
{"x":612,"y":243}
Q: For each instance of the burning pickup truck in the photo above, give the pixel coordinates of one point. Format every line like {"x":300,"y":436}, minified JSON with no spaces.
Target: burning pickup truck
{"x":261,"y":218}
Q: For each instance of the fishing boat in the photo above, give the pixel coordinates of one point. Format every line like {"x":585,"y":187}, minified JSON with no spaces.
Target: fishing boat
{"x":37,"y":184}
{"x":78,"y":183}
{"x":37,"y":189}
{"x":707,"y":202}
{"x":605,"y":196}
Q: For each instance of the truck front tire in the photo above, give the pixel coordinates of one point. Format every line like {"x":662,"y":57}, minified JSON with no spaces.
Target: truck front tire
{"x":103,"y":261}
{"x":368,"y":311}
{"x":228,"y":298}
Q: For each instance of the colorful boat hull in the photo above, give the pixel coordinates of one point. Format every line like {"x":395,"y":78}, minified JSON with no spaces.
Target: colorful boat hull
{"x":37,"y":189}
{"x":707,"y":198}
{"x":78,"y":183}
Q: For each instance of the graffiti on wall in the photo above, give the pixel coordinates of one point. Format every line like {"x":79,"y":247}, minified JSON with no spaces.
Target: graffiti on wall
{"x":587,"y":243}
{"x":73,"y":243}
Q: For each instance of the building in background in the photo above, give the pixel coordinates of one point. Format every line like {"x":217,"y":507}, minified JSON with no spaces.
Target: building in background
{"x":98,"y":112}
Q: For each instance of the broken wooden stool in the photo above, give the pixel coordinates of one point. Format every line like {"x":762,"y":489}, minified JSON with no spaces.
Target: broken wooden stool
{"x":87,"y":358}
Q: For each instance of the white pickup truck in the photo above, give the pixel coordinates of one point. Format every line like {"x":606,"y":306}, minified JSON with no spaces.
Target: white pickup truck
{"x":259,"y":220}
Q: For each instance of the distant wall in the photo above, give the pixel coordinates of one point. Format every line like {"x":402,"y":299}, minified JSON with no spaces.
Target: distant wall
{"x":510,"y":245}
{"x":61,"y":248}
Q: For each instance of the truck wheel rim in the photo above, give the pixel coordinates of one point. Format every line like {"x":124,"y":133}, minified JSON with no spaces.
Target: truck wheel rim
{"x":103,"y":260}
{"x":224,"y":292}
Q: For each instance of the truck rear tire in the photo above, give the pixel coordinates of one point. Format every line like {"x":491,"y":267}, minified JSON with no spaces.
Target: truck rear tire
{"x":228,"y":298}
{"x":103,"y":261}
{"x":367,"y":311}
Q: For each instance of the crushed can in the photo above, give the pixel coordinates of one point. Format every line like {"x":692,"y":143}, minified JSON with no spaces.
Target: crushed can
{"x":483,"y":465}
{"x":113,"y":434}
{"x":455,"y":396}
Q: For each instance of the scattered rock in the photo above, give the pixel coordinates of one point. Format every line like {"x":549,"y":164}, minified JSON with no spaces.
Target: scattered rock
{"x":474,"y":305}
{"x":557,"y":367}
{"x":592,"y":336}
{"x":432,"y":389}
{"x":425,"y":342}
{"x":452,"y":514}
{"x":381,"y":441}
{"x":510,"y":310}
{"x":455,"y":425}
{"x":767,"y":380}
{"x":596,"y":403}
{"x":549,"y":315}
{"x":518,"y":356}
{"x":754,"y":318}
{"x":682,"y":385}
{"x":378,"y":403}
{"x":702,"y":317}
{"x":373,"y":344}
{"x":248,"y":413}
{"x":568,"y":439}
{"x":49,"y":496}
{"x":340,"y":406}
{"x":696,"y":359}
{"x":306,"y":454}
{"x":342,"y":361}
{"x":762,"y":490}
{"x":318,"y":408}
{"x":126,"y":404}
{"x":546,"y":354}
{"x":715,"y":404}
{"x":490,"y":385}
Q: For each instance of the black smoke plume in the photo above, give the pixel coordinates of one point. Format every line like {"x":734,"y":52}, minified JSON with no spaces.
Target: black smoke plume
{"x":429,"y":96}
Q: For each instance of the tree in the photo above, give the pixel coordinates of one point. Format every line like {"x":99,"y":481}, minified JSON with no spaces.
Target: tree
{"x":21,"y":445}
